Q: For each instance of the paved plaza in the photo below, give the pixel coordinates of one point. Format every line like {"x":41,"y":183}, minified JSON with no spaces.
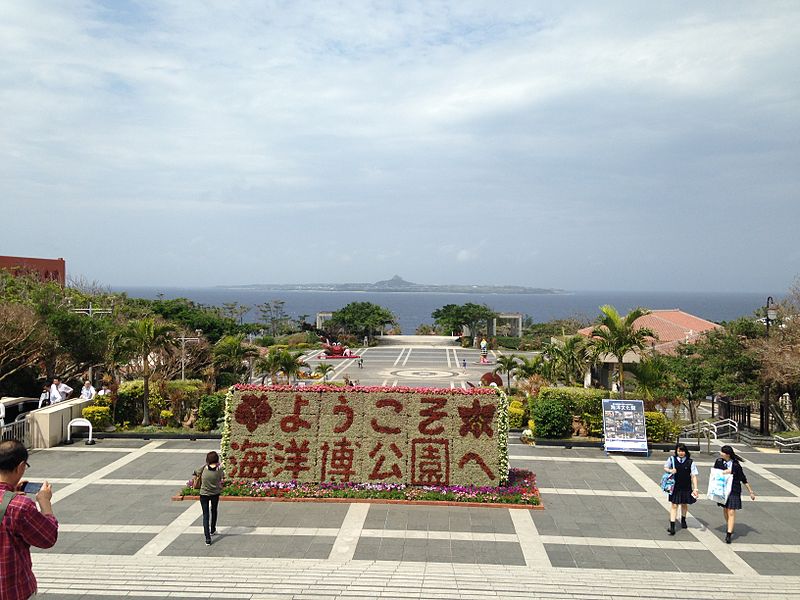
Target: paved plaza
{"x":601,"y":535}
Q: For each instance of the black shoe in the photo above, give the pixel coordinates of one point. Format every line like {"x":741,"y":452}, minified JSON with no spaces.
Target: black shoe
{"x":213,"y":532}
{"x":208,"y":542}
{"x":671,"y":529}
{"x":683,"y":523}
{"x":728,"y":537}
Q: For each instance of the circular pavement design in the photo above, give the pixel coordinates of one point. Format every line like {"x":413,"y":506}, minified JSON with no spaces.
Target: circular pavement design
{"x":425,"y":374}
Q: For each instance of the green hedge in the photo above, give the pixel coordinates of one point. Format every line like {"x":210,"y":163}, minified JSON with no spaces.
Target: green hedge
{"x":660,"y":428}
{"x":98,"y":416}
{"x":552,"y":419}
{"x":577,"y":400}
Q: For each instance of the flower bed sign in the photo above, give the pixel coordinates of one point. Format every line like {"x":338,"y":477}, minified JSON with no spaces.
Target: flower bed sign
{"x":416,"y":436}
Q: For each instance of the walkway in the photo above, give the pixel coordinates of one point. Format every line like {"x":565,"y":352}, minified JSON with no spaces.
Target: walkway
{"x":602,"y":535}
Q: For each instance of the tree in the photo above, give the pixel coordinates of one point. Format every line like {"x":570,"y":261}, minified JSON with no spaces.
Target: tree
{"x":506,"y":363}
{"x":290,"y":363}
{"x":362,"y":318}
{"x":453,"y":317}
{"x":323,"y":369}
{"x":617,"y":335}
{"x":569,"y":358}
{"x":653,"y":379}
{"x":231,"y":353}
{"x":269,"y":365}
{"x":274,"y":316}
{"x":145,"y":338}
{"x":23,"y":339}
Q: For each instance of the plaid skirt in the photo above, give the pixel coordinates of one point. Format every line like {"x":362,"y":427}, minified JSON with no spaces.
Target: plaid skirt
{"x":682,"y":497}
{"x":734,"y":502}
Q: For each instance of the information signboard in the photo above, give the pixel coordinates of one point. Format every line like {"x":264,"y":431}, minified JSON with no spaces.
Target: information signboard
{"x":624,"y":426}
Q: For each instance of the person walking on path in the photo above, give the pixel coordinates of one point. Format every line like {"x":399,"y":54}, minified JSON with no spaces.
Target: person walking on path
{"x":685,"y":491}
{"x":211,"y":480}
{"x":59,"y":391}
{"x":21,"y":524}
{"x":729,"y":463}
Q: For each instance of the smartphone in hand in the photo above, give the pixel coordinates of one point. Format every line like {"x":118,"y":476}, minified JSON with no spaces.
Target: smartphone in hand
{"x":31,"y":487}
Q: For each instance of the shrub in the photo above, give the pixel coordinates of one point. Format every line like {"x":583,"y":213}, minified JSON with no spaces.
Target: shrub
{"x":98,"y":416}
{"x":104,"y":400}
{"x":660,"y":428}
{"x":552,"y":419}
{"x":508,"y":342}
{"x":516,"y":415}
{"x":577,"y":400}
{"x":167,"y":418}
{"x":226,"y":380}
{"x":203,"y":424}
{"x":265,"y":341}
{"x":466,"y":341}
{"x":212,"y":408}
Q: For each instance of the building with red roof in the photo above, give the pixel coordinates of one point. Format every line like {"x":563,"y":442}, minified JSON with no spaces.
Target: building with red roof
{"x":45,"y":269}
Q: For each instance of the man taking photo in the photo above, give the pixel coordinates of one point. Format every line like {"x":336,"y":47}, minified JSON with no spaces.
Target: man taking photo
{"x":22,"y":525}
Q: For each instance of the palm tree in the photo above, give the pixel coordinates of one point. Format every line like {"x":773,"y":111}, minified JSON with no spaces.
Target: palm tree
{"x":324,"y":369}
{"x":569,"y":357}
{"x":617,"y":335}
{"x":145,"y":337}
{"x":506,"y":363}
{"x":269,"y":365}
{"x":652,"y":378}
{"x":291,"y":363}
{"x":230,"y":354}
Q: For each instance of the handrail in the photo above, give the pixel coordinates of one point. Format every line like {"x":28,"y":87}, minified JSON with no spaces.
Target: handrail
{"x":712,"y":429}
{"x":782,"y":442}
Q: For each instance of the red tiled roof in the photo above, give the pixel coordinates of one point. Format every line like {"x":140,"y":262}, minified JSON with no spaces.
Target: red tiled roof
{"x":672,"y":326}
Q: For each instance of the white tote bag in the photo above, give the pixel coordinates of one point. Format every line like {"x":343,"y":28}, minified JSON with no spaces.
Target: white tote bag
{"x":719,"y":486}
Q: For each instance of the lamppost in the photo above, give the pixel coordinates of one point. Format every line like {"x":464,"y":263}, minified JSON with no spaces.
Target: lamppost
{"x":91,"y":312}
{"x":772,"y":315}
{"x":183,"y":339}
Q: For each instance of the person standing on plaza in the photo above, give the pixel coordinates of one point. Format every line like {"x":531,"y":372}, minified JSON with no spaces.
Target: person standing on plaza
{"x":59,"y":391}
{"x":728,"y":462}
{"x":211,"y":480}
{"x":21,"y":524}
{"x":87,"y":391}
{"x":685,"y":491}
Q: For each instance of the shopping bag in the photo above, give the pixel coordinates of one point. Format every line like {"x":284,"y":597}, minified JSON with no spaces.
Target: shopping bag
{"x":668,"y":480}
{"x":719,"y":486}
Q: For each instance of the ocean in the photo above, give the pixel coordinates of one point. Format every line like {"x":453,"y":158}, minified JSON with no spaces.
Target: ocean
{"x":413,"y":309}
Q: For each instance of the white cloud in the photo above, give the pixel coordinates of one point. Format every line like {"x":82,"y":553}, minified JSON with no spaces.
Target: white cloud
{"x":549,"y":131}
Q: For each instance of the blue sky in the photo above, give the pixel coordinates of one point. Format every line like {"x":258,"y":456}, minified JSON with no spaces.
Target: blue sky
{"x":615,"y":145}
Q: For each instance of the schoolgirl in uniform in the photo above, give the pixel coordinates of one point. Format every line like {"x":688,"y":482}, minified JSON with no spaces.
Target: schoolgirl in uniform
{"x":729,"y":463}
{"x":685,"y":491}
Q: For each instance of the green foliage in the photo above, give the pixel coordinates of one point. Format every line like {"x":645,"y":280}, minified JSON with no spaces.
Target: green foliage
{"x":212,"y":408}
{"x":536,"y":335}
{"x":660,"y":428}
{"x":452,"y":317}
{"x":204,"y":424}
{"x":98,"y":416}
{"x":516,"y":414}
{"x":511,"y":342}
{"x":189,"y":389}
{"x":552,"y":418}
{"x":104,"y":400}
{"x":361,"y":318}
{"x":190,"y":316}
{"x":576,"y":400}
{"x":167,"y":418}
{"x":265,"y":341}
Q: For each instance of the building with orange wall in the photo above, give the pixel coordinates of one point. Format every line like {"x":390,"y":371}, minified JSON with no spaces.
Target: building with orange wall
{"x":46,"y":269}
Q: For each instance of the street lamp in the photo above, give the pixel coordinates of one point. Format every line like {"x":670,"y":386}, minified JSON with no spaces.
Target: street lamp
{"x":183,"y":339}
{"x":772,"y":315}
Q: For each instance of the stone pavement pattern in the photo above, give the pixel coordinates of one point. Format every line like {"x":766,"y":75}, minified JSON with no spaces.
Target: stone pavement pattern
{"x":602,"y":535}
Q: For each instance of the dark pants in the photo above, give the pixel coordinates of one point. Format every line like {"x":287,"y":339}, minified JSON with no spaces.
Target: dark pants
{"x":204,"y":503}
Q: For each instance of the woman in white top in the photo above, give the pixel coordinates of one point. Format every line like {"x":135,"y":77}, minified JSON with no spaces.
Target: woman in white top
{"x":685,"y":491}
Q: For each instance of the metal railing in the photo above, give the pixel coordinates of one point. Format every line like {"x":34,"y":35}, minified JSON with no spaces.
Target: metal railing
{"x":18,"y":430}
{"x":792,"y":443}
{"x":713,"y":430}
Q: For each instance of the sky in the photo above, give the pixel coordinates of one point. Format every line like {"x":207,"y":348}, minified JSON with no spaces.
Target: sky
{"x":573,"y":145}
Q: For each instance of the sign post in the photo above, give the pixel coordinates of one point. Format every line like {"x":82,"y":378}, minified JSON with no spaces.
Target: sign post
{"x":624,"y":426}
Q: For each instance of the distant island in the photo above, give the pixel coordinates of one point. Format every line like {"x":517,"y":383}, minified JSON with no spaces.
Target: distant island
{"x":395,"y":284}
